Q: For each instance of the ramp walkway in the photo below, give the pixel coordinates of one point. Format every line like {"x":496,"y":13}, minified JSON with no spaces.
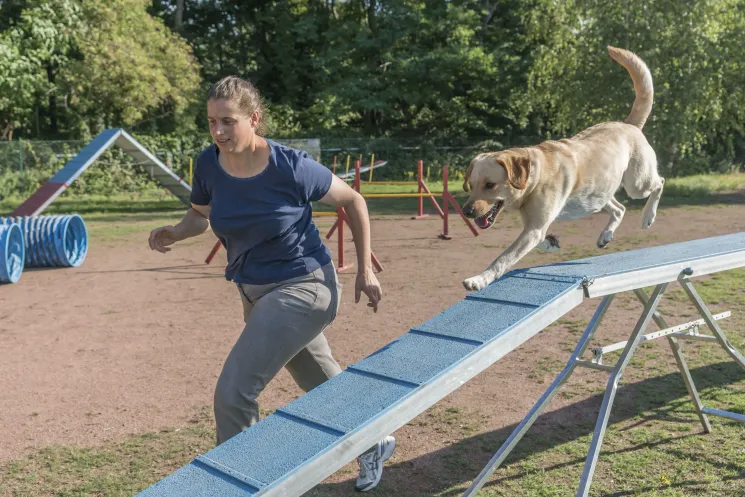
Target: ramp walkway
{"x":58,"y":183}
{"x":295,"y":448}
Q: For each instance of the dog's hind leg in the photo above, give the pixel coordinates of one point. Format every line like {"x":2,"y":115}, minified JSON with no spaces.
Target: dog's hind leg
{"x":650,"y":208}
{"x":641,"y":180}
{"x":616,"y":211}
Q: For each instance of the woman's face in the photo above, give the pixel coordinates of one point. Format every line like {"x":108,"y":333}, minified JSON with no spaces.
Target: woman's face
{"x":231,"y":129}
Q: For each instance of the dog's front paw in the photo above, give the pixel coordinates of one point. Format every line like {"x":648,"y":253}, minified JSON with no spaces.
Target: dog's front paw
{"x":476,"y":283}
{"x":605,"y":238}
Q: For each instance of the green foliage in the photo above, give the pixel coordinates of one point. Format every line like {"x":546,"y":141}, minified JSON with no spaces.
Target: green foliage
{"x":694,"y":52}
{"x":73,"y":67}
{"x":132,"y":67}
{"x":406,"y":79}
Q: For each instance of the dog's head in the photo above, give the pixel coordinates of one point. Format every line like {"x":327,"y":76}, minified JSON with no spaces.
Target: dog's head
{"x":496,"y":181}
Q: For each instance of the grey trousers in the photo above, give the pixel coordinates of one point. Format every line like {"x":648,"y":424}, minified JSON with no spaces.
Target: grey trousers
{"x":284,"y":328}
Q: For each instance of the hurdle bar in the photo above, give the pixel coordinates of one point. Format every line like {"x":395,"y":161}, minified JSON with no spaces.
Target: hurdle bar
{"x":422,"y":189}
{"x":447,"y":199}
{"x":293,"y":449}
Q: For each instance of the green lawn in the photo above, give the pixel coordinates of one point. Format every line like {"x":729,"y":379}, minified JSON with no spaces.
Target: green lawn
{"x":692,"y":190}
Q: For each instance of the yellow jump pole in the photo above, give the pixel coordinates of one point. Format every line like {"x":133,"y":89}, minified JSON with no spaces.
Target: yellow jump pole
{"x":372,"y":161}
{"x":191,"y":175}
{"x":400,"y":195}
{"x":347,"y":170}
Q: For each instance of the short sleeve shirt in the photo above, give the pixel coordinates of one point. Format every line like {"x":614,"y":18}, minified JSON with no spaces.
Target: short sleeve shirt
{"x":265,"y":221}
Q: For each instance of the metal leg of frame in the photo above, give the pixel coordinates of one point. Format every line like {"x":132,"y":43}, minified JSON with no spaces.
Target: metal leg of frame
{"x":713,"y":325}
{"x":610,"y":392}
{"x":676,"y":347}
{"x":536,"y":410}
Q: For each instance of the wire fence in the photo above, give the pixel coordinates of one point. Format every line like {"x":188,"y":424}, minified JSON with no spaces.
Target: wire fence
{"x":25,"y":165}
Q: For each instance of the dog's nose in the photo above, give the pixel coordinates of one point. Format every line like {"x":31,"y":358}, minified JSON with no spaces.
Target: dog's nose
{"x":468,"y":211}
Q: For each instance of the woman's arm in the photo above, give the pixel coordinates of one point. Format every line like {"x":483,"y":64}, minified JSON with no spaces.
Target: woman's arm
{"x":194,"y":223}
{"x":342,"y":195}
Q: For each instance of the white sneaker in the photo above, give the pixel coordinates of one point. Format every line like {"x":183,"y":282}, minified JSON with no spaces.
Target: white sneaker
{"x":371,"y":464}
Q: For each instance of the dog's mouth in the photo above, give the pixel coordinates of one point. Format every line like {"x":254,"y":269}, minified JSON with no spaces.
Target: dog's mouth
{"x":488,"y":219}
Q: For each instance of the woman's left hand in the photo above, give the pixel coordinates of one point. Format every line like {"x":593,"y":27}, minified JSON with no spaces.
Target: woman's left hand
{"x":368,"y":284}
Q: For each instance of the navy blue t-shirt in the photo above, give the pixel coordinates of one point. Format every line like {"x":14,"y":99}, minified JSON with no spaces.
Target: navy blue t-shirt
{"x":265,"y":221}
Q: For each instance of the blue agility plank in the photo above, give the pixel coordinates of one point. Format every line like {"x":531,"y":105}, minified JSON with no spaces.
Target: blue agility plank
{"x":78,"y":164}
{"x":322,"y":430}
{"x":295,"y":448}
{"x":625,"y":270}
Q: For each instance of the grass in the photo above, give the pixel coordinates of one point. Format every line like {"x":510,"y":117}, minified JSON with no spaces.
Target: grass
{"x":704,"y":184}
{"x":690,"y":190}
{"x":701,"y":189}
{"x":116,"y":469}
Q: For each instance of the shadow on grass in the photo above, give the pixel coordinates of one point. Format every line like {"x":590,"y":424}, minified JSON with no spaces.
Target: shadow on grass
{"x":450,"y":470}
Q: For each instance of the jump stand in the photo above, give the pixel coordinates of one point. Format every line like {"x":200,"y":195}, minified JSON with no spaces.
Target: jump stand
{"x":422,"y":187}
{"x":341,"y":220}
{"x":674,"y":335}
{"x":447,"y":198}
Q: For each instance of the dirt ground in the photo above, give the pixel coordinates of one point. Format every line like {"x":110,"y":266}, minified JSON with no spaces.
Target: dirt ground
{"x":133,"y":341}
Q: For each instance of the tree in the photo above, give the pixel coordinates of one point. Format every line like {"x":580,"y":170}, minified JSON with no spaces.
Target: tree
{"x":91,"y":64}
{"x":694,"y":52}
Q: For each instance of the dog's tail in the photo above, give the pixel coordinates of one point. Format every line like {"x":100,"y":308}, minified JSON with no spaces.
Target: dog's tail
{"x":642,"y":79}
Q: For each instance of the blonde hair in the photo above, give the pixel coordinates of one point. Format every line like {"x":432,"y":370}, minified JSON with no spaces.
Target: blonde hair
{"x":243,"y":93}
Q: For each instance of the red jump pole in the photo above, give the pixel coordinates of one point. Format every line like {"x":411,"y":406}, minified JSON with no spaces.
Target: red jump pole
{"x":341,"y":215}
{"x":213,"y":252}
{"x":447,"y":198}
{"x":357,"y":178}
{"x":420,"y":182}
{"x":423,"y":186}
{"x":445,"y":235}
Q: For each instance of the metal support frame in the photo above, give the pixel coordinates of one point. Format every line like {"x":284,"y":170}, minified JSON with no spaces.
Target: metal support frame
{"x":674,"y":335}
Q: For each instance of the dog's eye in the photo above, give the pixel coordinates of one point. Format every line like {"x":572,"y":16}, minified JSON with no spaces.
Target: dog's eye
{"x":491,"y":186}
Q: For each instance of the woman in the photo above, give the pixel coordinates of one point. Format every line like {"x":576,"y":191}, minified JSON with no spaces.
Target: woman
{"x":256,"y":194}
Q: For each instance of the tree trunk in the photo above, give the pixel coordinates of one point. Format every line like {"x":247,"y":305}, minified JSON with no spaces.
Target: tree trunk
{"x":372,"y":21}
{"x":52,"y":99}
{"x":179,"y":20}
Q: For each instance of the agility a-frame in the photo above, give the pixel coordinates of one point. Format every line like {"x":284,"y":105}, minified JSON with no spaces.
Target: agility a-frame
{"x":58,"y":183}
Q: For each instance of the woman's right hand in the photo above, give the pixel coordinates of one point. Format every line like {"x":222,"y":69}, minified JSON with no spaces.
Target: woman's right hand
{"x":161,"y":237}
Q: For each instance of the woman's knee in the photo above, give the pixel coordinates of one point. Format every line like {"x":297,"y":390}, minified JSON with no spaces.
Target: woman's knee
{"x":230,"y":395}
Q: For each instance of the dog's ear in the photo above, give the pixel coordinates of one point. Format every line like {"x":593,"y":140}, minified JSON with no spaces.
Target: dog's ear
{"x":518,"y":169}
{"x":467,"y":177}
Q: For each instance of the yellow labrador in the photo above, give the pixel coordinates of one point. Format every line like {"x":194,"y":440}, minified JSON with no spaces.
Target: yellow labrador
{"x":567,"y":179}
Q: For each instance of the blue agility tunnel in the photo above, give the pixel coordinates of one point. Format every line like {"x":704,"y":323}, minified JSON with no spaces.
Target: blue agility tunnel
{"x":12,"y":252}
{"x":52,"y":241}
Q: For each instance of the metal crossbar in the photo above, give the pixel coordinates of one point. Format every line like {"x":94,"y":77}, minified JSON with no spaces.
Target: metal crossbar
{"x":685,"y":331}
